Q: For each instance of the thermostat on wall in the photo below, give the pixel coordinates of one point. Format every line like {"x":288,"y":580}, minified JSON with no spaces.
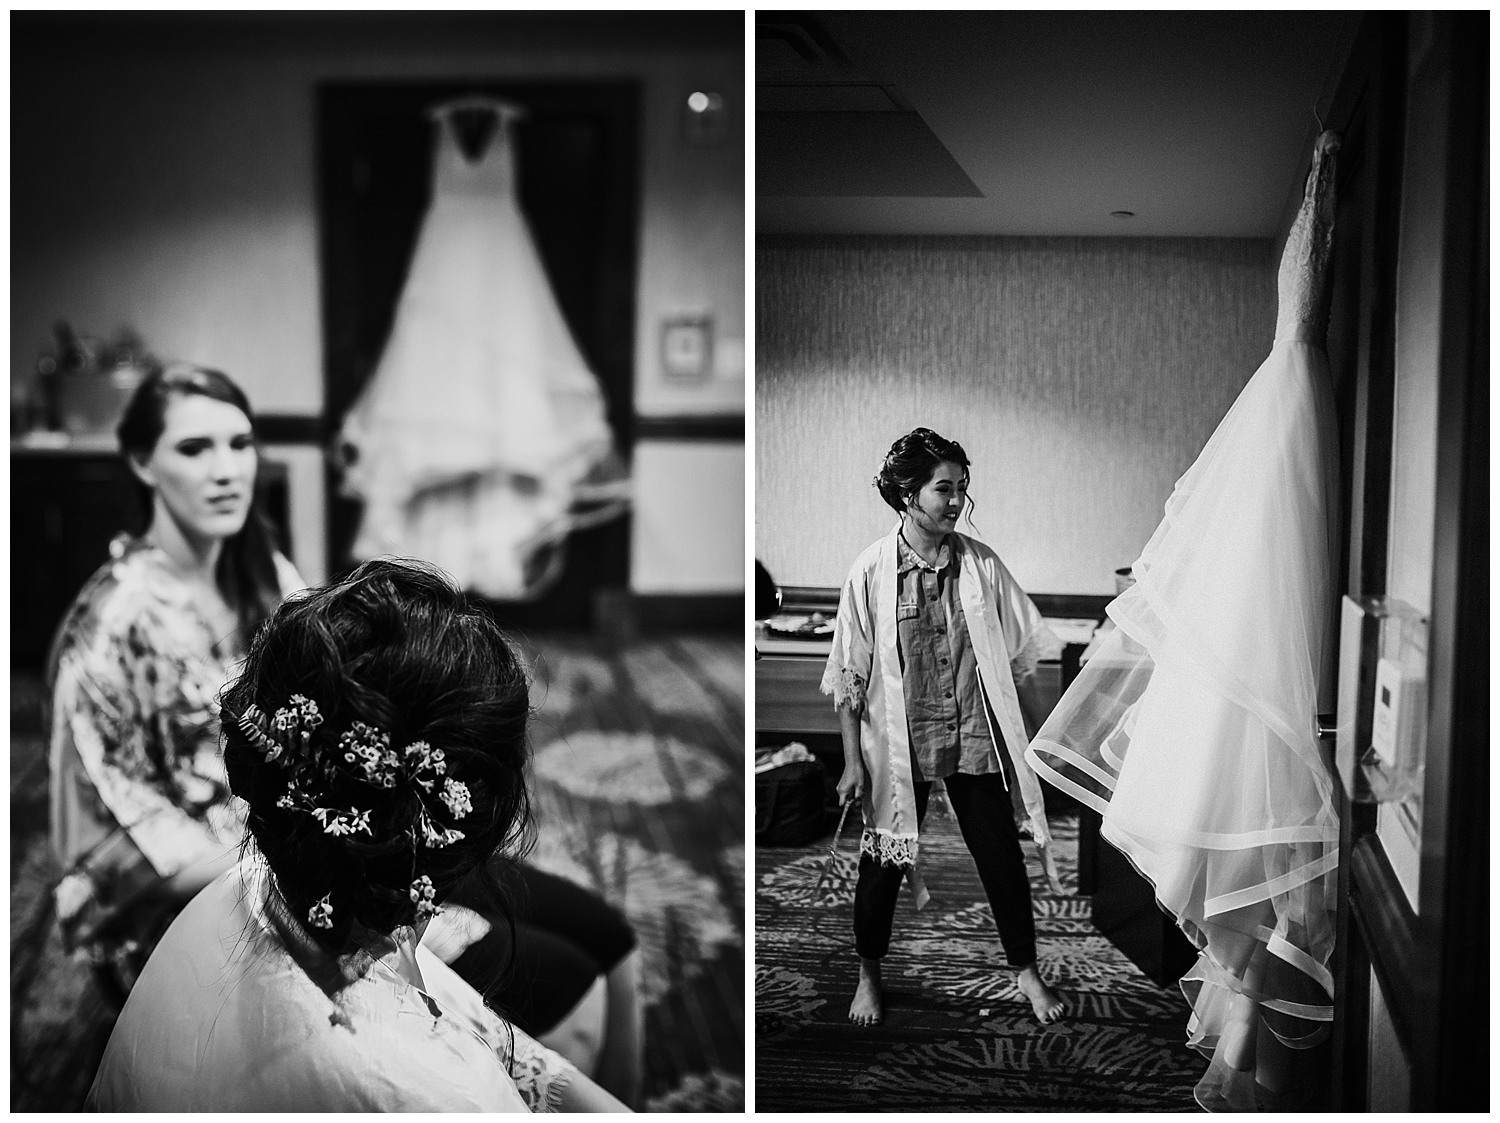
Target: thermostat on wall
{"x":687,"y":349}
{"x":1385,"y":726}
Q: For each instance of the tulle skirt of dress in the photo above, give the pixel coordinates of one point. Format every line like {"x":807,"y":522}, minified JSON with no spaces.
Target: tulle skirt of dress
{"x":482,"y":421}
{"x":1192,"y":730}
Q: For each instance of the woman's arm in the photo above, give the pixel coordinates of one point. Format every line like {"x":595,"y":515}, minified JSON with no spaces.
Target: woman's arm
{"x":851,"y":663}
{"x":1033,"y":708}
{"x":110,"y":698}
{"x":856,"y":778}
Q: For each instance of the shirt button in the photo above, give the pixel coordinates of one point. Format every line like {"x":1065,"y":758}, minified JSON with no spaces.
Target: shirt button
{"x":951,"y":727}
{"x":948,"y":694}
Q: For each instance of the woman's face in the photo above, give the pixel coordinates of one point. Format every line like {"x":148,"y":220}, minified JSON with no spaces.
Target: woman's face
{"x":203,"y":467}
{"x":936,"y":507}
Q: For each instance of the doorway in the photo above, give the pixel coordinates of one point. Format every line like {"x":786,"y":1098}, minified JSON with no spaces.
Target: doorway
{"x":578,"y":183}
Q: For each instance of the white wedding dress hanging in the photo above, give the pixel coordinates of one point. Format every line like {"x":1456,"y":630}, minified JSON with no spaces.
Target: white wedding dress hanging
{"x":474,"y":441}
{"x":1193,"y":729}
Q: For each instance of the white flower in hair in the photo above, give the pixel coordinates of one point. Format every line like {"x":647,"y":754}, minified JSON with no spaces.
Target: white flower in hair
{"x":339,"y":823}
{"x":299,"y":717}
{"x":422,"y":894}
{"x":321,"y":914}
{"x":456,"y":796}
{"x":370,"y":749}
{"x":423,"y":758}
{"x":308,"y":713}
{"x":433,"y":835}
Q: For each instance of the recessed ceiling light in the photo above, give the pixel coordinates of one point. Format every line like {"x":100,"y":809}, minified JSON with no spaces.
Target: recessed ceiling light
{"x":1122,"y":214}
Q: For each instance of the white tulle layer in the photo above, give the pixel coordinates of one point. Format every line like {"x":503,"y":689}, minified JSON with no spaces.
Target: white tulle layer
{"x":482,"y":420}
{"x":1192,"y":730}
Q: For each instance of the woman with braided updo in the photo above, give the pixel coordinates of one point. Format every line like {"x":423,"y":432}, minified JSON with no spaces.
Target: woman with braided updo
{"x":378,"y":736}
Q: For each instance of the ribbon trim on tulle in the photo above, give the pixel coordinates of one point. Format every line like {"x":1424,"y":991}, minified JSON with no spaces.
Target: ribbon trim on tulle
{"x":1228,"y":902}
{"x":1208,"y":972}
{"x":1089,"y":799}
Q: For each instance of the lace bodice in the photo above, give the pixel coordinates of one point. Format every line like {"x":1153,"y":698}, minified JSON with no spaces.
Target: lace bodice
{"x":1302,"y":288}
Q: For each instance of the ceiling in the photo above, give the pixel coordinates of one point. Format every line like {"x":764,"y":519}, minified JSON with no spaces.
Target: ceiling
{"x":1039,"y":123}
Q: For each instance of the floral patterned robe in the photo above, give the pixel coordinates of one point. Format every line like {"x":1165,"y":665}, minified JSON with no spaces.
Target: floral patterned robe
{"x":138,"y":789}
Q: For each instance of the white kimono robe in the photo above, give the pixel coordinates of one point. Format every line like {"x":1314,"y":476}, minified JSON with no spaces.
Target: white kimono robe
{"x":1004,"y":627}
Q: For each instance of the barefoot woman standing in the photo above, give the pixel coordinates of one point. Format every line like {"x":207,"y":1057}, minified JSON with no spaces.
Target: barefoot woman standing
{"x":934,"y":654}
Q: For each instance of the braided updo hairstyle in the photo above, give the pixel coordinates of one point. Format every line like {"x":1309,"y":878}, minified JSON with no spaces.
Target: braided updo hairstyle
{"x":398,"y":647}
{"x":910,"y":464}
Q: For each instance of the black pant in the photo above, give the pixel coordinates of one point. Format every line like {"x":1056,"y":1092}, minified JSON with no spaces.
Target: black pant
{"x":566,"y":937}
{"x":988,"y":824}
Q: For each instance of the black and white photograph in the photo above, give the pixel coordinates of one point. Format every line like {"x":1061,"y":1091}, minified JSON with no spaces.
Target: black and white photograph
{"x":377,"y":653}
{"x":1121,"y":538}
{"x":749,"y":561}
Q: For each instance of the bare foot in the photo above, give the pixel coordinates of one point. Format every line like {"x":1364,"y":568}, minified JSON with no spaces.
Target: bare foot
{"x":1046,"y":1003}
{"x":868,"y":1007}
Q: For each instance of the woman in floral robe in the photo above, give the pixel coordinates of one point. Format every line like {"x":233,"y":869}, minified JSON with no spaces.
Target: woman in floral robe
{"x":141,"y":815}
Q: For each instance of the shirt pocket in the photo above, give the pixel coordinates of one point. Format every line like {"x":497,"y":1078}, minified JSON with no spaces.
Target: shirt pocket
{"x":907,"y":610}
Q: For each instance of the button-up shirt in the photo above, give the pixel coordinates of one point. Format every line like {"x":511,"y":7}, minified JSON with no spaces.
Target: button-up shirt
{"x":945,"y":704}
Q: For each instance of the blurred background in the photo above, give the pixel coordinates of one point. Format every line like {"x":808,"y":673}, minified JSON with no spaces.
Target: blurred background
{"x":245,"y":191}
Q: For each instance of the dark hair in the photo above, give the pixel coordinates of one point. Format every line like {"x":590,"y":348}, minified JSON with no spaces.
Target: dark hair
{"x":246,"y":572}
{"x":397,"y":646}
{"x":911,"y":462}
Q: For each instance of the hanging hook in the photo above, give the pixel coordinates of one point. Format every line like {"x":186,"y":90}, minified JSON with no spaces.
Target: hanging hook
{"x":1318,"y":116}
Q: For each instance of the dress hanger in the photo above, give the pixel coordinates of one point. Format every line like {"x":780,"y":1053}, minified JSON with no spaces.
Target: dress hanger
{"x":506,"y":110}
{"x":1323,"y":125}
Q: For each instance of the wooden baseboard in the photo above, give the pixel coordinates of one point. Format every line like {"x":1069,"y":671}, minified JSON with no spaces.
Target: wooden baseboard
{"x":620,"y":612}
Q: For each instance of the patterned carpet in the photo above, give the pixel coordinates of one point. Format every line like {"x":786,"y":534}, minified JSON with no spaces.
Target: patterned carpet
{"x":638,"y":794}
{"x":958,"y":1035}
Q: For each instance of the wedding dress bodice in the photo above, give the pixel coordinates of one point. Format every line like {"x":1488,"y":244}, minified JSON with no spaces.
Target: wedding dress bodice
{"x":488,"y":176}
{"x":1302,"y":282}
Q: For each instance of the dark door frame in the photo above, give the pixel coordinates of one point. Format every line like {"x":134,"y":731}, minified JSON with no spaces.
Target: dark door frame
{"x":1431,"y":963}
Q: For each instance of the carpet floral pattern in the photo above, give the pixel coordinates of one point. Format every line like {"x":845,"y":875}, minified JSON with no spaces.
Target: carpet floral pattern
{"x":958,"y":1035}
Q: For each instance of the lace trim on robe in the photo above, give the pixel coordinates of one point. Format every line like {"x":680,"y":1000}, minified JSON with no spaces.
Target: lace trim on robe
{"x":848,"y":690}
{"x":540,"y":1074}
{"x":887,"y":850}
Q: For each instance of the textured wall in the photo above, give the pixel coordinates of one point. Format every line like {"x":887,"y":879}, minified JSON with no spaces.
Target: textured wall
{"x":1082,"y":375}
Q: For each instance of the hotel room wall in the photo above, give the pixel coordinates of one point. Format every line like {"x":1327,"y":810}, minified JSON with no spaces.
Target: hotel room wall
{"x":1082,"y":375}
{"x":165,"y":179}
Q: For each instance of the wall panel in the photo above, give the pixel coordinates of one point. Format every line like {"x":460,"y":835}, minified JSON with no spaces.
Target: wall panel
{"x":1082,"y":375}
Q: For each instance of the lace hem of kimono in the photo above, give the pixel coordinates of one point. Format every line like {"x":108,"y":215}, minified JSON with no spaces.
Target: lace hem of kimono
{"x":847,"y":687}
{"x":887,"y":849}
{"x":538,"y":1077}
